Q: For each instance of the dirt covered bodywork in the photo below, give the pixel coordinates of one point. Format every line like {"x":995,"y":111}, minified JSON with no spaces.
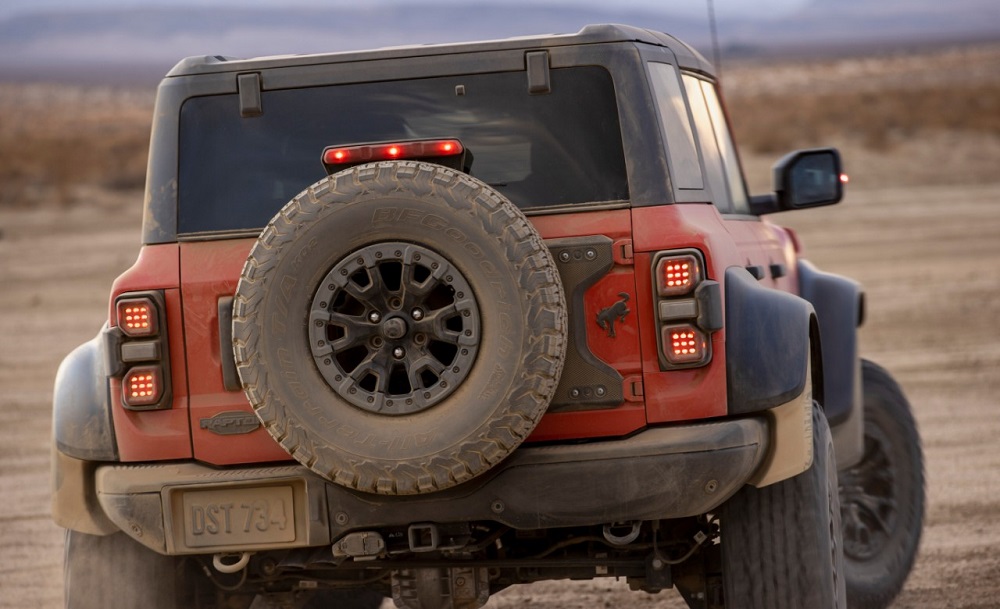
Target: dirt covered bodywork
{"x":428,"y":322}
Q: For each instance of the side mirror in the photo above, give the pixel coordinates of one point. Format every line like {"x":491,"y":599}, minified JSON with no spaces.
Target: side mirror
{"x":803,"y":179}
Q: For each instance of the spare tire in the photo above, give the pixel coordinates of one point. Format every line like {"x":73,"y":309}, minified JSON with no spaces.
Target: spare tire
{"x":399,"y":328}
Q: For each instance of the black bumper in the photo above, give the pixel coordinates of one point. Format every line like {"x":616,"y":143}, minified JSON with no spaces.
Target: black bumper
{"x":661,"y":473}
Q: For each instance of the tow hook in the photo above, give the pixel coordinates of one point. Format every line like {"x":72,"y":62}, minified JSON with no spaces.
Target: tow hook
{"x":622,"y":533}
{"x":229,"y":562}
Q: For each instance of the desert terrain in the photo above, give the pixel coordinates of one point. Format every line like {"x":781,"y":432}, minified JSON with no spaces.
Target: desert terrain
{"x":920,"y":228}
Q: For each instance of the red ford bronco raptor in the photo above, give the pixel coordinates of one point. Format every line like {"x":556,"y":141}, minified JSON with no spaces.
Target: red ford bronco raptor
{"x":428,"y":322}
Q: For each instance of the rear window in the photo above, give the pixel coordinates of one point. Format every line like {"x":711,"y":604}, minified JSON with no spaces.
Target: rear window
{"x":559,"y":148}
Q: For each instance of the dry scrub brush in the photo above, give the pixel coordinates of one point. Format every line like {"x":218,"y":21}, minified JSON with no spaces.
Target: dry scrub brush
{"x":878,"y":119}
{"x":56,"y":141}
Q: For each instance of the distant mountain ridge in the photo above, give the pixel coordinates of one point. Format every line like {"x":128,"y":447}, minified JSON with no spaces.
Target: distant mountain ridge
{"x":155,"y":38}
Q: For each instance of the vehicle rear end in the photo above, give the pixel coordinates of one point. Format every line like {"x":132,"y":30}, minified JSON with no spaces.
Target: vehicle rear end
{"x":214,"y":441}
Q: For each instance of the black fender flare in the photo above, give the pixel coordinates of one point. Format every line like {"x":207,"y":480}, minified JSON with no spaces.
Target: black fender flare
{"x":768,"y":342}
{"x":839,"y":305}
{"x":83,"y":436}
{"x":81,"y":406}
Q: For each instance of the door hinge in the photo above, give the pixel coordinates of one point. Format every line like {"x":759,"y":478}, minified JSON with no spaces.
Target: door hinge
{"x":622,"y":252}
{"x":632,"y":388}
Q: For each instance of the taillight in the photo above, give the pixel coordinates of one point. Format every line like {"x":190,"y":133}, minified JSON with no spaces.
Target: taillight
{"x":138,"y":350}
{"x":142,"y":386}
{"x":684,"y":345}
{"x":677,"y":275}
{"x":389,"y":151}
{"x":137,"y":317}
{"x":688,"y":306}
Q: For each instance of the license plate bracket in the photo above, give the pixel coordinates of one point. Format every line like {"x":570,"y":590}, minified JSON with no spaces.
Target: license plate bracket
{"x":237,"y":517}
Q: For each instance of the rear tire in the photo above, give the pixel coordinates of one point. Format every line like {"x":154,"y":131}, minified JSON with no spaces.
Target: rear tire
{"x":882,"y":497}
{"x":117,"y":572}
{"x":781,"y":544}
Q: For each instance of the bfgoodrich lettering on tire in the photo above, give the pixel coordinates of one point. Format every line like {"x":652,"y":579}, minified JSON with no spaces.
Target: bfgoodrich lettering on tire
{"x":399,"y":328}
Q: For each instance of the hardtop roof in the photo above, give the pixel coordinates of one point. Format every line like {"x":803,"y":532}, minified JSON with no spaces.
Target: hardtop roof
{"x":687,"y":56}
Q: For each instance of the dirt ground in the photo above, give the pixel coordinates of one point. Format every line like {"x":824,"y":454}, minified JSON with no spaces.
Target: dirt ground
{"x":927,"y":255}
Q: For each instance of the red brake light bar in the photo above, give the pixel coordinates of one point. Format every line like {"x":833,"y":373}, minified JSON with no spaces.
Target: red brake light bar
{"x":390,"y":151}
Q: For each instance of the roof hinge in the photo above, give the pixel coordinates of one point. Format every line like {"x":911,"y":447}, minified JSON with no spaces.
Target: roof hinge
{"x":621,"y":251}
{"x":538,"y":72}
{"x":249,"y":87}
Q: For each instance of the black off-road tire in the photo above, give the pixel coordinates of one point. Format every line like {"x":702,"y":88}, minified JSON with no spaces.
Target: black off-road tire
{"x":781,"y":544}
{"x":117,"y":572}
{"x":882,"y":498}
{"x":464,"y":418}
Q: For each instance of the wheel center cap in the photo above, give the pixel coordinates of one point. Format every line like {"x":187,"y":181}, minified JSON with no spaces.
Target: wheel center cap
{"x":394,"y":328}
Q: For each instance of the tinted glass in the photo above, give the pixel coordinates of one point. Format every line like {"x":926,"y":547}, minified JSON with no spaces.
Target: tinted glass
{"x":731,"y":161}
{"x":559,"y":148}
{"x":709,"y":145}
{"x":685,"y":170}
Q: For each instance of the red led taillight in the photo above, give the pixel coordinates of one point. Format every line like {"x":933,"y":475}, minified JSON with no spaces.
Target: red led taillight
{"x":677,"y":275}
{"x":138,"y":352}
{"x":688,"y":309}
{"x":365,"y":153}
{"x":684,"y":345}
{"x":137,"y":317}
{"x":142,"y":386}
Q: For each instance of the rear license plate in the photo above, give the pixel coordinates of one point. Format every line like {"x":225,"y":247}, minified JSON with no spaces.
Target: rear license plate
{"x":240,"y":516}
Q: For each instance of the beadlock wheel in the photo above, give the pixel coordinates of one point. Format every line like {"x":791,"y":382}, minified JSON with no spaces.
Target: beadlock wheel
{"x":394,"y":328}
{"x":399,"y":328}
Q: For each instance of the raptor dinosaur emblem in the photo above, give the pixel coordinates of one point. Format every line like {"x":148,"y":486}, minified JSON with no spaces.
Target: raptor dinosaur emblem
{"x":608,"y":315}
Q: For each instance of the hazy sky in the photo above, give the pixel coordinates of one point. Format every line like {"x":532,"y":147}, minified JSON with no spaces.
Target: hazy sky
{"x":723,"y":8}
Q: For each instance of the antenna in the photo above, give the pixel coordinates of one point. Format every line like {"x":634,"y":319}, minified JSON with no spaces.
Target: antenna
{"x":716,"y":56}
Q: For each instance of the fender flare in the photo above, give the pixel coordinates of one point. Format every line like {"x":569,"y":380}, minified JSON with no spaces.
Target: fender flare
{"x":82,"y":436}
{"x":839,"y":305}
{"x":81,"y":406}
{"x":768,"y":342}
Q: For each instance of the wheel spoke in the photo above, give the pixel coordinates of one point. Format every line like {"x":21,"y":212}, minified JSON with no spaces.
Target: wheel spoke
{"x":357,"y":330}
{"x":375,"y":364}
{"x":420,"y":365}
{"x":373,"y":294}
{"x":874,"y":508}
{"x":414,"y":291}
{"x":435,"y":322}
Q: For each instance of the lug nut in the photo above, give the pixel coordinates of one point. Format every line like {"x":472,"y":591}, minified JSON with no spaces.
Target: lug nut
{"x":417,"y":314}
{"x":374,"y":317}
{"x":398,"y":353}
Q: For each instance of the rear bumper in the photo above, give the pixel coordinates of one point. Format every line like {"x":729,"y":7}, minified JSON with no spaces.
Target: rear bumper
{"x":661,"y":473}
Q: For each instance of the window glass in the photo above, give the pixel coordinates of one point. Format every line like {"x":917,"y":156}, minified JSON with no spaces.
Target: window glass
{"x":731,"y":161}
{"x":709,"y":145}
{"x":685,"y":169}
{"x":564,"y":147}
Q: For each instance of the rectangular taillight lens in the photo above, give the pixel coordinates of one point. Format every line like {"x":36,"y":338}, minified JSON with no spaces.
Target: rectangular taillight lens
{"x":684,"y":344}
{"x":142,"y":386}
{"x":137,"y":317}
{"x":677,"y":275}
